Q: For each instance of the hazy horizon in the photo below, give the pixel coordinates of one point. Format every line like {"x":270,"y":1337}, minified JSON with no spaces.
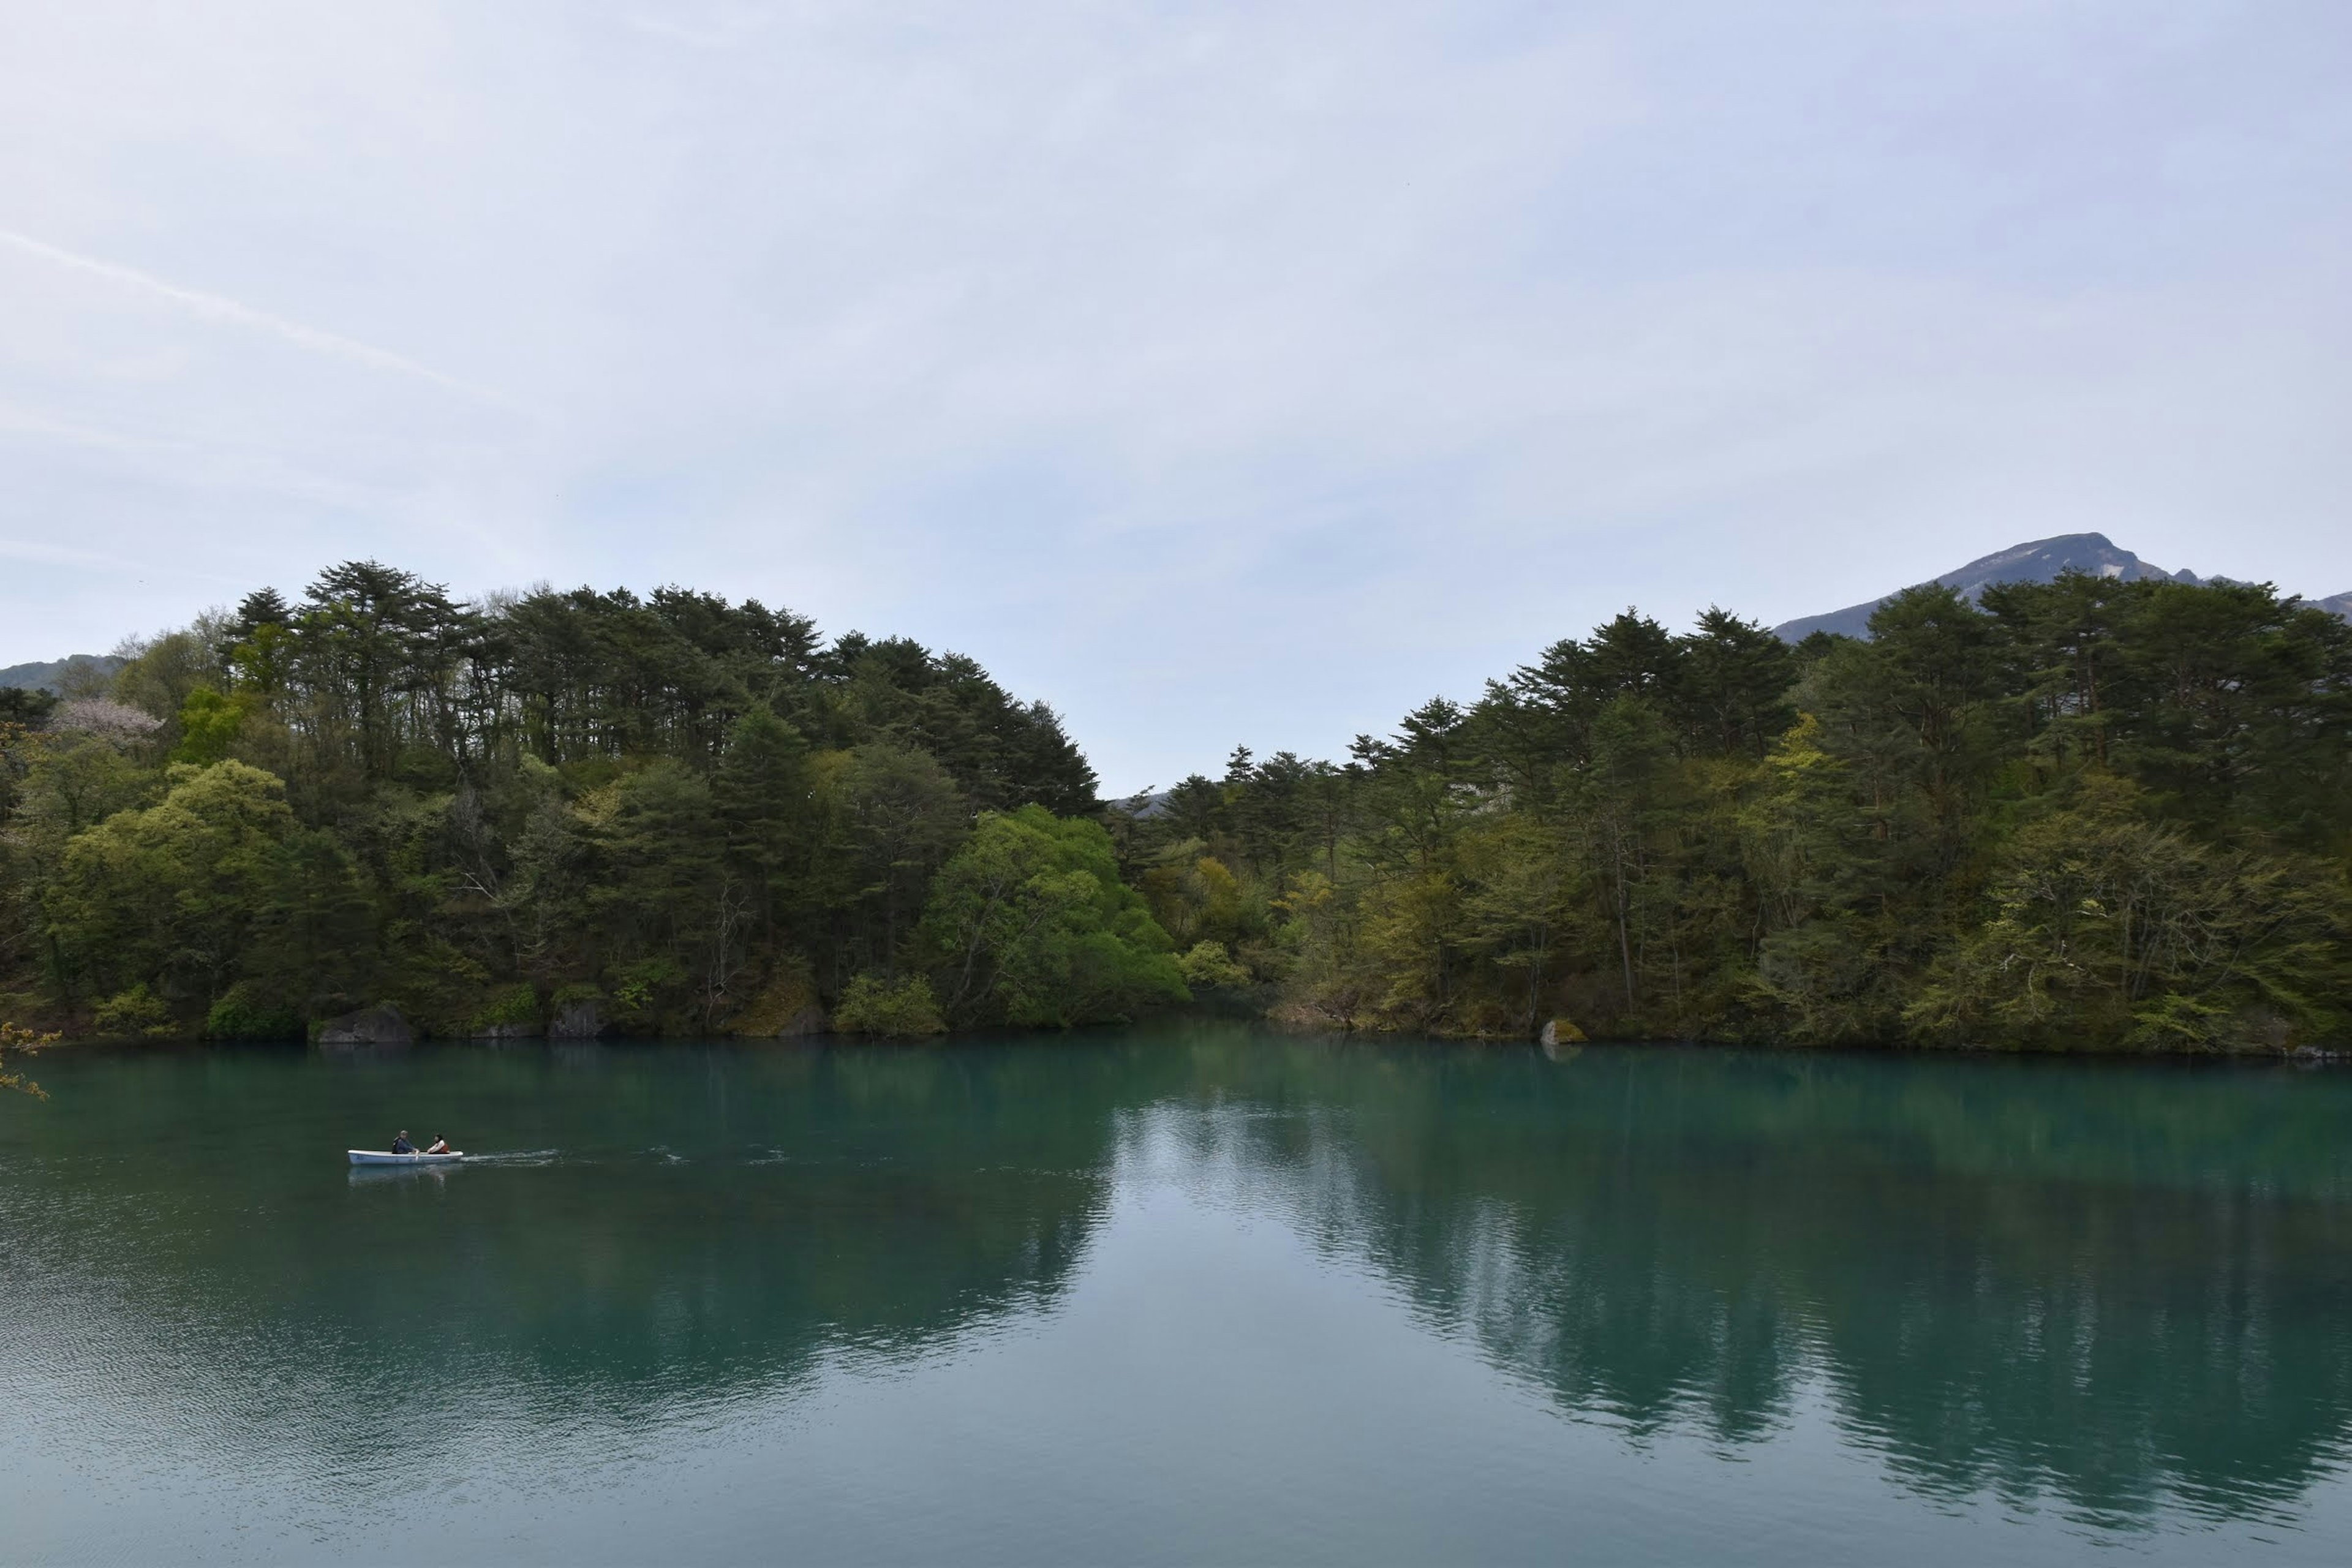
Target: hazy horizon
{"x":1220,"y":374}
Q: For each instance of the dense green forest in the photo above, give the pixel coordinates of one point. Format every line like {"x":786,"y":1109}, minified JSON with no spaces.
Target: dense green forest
{"x":2091,"y":814}
{"x":660,"y":815}
{"x":2084,"y":815}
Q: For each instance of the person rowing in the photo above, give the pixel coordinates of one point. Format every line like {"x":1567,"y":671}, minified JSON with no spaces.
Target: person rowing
{"x":401,"y":1145}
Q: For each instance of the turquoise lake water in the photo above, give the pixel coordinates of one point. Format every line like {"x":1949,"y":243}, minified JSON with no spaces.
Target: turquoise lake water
{"x":1190,"y":1293}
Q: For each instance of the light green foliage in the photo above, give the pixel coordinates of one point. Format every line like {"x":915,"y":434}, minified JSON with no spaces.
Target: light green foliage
{"x":1197,"y":898}
{"x":61,"y":781}
{"x":2105,"y":926}
{"x":175,"y":894}
{"x":72,"y":781}
{"x":17,"y":1040}
{"x":904,"y":1008}
{"x":1207,"y":966}
{"x":135,"y":1010}
{"x":1030,"y":924}
{"x":209,"y":726}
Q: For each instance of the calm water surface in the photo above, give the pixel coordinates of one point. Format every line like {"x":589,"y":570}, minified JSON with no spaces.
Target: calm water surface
{"x":1183,"y":1294}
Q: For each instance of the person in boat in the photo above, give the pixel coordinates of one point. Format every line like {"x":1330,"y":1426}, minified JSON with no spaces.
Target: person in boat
{"x":439,"y":1145}
{"x":401,"y":1145}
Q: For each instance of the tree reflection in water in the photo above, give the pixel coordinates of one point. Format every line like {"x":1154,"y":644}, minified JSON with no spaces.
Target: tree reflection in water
{"x":2105,"y":1280}
{"x":2105,"y":1283}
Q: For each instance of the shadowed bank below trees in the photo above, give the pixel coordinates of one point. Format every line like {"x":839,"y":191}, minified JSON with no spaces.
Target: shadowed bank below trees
{"x":2085,"y":813}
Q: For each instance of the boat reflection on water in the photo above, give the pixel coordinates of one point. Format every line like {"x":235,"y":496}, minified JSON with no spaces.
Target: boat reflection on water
{"x":362,"y":1176}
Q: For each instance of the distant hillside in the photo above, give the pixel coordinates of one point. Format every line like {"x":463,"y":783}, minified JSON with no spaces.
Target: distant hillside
{"x":80,"y":672}
{"x":2039,"y":561}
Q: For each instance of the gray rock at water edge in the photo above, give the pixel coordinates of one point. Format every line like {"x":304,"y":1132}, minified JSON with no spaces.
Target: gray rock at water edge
{"x":378,"y":1026}
{"x":809,"y":1020}
{"x":507,"y":1031}
{"x":576,"y":1021}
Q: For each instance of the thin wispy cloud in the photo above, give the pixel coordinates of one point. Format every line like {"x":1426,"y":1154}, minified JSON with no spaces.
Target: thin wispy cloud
{"x":215,"y":308}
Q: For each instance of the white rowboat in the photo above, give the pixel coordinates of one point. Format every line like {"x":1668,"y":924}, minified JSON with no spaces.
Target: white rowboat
{"x":387,"y":1157}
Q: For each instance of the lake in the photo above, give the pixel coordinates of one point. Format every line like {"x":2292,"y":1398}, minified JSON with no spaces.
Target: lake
{"x":1192,"y":1292}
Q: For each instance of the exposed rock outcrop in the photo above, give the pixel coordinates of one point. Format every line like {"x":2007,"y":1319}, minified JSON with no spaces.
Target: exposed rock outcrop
{"x":787,"y":1009}
{"x":579,"y":1019}
{"x":809,"y":1020}
{"x":381,"y":1024}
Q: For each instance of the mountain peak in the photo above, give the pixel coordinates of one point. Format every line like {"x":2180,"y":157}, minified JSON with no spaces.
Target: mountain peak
{"x":82,"y":674}
{"x":2037,"y":561}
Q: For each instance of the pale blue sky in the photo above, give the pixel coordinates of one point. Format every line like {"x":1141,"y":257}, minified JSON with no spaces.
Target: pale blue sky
{"x":1220,"y":372}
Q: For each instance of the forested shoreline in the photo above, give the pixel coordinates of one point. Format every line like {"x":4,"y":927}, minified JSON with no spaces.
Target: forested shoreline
{"x":2086,"y":815}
